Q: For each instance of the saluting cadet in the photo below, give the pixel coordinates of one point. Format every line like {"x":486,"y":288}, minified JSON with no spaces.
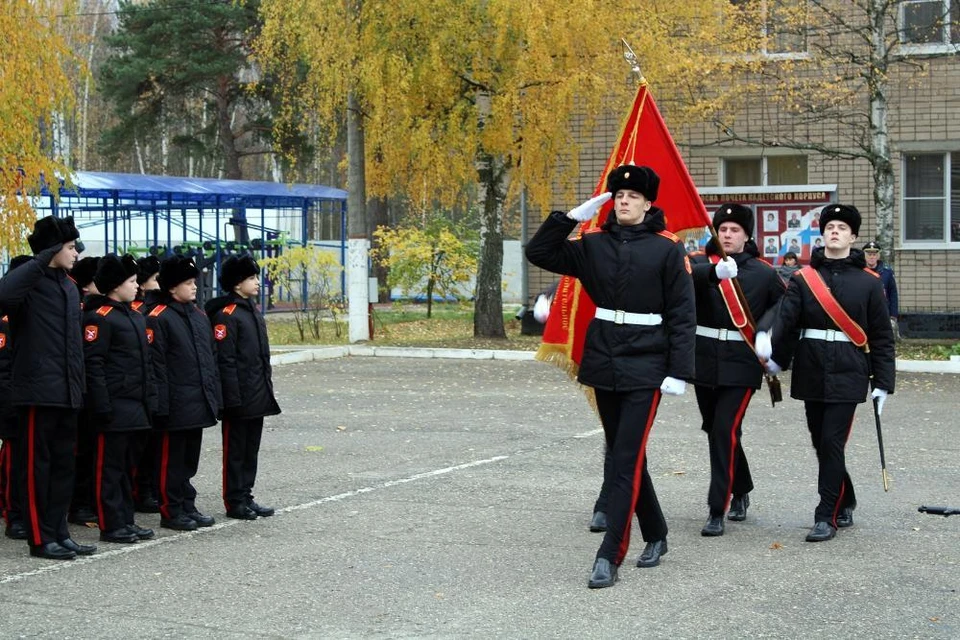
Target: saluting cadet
{"x":83,"y":501}
{"x":188,"y":391}
{"x":639,"y":345}
{"x":48,"y":380}
{"x":142,"y":472}
{"x":243,"y":354}
{"x":120,"y":393}
{"x":11,"y":454}
{"x":838,"y":309}
{"x":728,"y":371}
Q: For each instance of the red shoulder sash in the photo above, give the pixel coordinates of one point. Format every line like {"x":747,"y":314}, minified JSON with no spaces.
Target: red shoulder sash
{"x":735,"y":308}
{"x":831,"y":307}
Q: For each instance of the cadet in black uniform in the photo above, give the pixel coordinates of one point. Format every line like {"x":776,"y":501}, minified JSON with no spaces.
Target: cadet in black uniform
{"x":728,"y":370}
{"x":639,"y":346}
{"x":142,"y":472}
{"x":120,"y":392}
{"x":11,"y":455}
{"x":243,"y":353}
{"x":188,"y":391}
{"x":831,"y":374}
{"x":83,"y":501}
{"x":48,"y":381}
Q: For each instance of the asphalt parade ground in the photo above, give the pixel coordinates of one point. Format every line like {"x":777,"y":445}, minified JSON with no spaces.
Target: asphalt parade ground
{"x":446,"y":498}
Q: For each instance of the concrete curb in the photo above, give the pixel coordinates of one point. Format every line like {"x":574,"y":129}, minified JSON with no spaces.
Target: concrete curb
{"x":297,"y":354}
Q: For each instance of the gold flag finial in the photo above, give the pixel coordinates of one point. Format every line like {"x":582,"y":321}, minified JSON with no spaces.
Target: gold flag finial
{"x":633,"y":61}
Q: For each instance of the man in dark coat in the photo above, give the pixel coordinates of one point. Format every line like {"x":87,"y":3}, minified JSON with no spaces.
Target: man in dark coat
{"x":639,"y":345}
{"x":871,"y":253}
{"x":243,"y":354}
{"x":832,"y":375}
{"x":120,"y":393}
{"x":728,"y":371}
{"x":11,"y":456}
{"x":48,"y":382}
{"x":188,"y":391}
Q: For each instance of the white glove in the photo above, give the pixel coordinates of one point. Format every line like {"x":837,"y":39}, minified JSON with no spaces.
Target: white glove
{"x":772,"y":367}
{"x":727,"y":268}
{"x":541,"y":309}
{"x":672,"y":386}
{"x":763,"y":346}
{"x":589,"y":208}
{"x":881,"y":397}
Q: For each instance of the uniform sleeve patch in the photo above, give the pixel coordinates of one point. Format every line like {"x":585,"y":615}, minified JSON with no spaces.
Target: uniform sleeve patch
{"x":90,"y":332}
{"x":3,"y":340}
{"x":149,"y":335}
{"x":220,"y":332}
{"x":686,"y":263}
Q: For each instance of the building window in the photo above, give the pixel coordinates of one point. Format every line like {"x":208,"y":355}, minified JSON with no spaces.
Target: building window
{"x":931,"y":197}
{"x":783,"y":25}
{"x":764,"y":171}
{"x":929,"y":24}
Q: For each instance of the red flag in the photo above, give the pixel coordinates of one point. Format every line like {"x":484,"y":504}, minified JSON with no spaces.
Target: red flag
{"x":644,"y":141}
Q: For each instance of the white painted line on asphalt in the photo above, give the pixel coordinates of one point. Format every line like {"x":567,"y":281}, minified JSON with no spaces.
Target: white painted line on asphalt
{"x":147,"y":544}
{"x":588,"y":434}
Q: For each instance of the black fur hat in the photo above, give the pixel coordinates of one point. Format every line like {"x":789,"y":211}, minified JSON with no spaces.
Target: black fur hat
{"x":236,"y":269}
{"x":149,"y":265}
{"x":175,"y":270}
{"x":640,"y":179}
{"x":19,"y":261}
{"x":84,"y":271}
{"x":113,"y":272}
{"x":736,"y":213}
{"x":51,"y":231}
{"x":842,"y":212}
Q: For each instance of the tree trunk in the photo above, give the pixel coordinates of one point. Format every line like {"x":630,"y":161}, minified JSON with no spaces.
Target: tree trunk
{"x":883,"y":176}
{"x":377,"y":215}
{"x":358,"y":247}
{"x":488,"y":305}
{"x":231,"y":159}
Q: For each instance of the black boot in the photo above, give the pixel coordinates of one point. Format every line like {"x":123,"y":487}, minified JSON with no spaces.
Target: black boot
{"x":651,"y":553}
{"x":604,"y":574}
{"x":845,"y":518}
{"x":738,"y":508}
{"x":713,"y":527}
{"x":598,"y":522}
{"x":821,"y":531}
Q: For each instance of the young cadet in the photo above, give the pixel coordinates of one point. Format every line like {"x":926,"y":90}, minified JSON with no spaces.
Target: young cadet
{"x":188,"y":391}
{"x":11,"y":458}
{"x":728,"y":370}
{"x":120,"y":392}
{"x":81,"y":505}
{"x":48,"y":382}
{"x":639,"y":345}
{"x":846,"y":347}
{"x":243,"y":353}
{"x":142,"y":472}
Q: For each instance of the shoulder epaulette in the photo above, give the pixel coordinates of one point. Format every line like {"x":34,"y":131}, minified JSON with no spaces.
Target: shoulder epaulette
{"x":229,"y":309}
{"x":697,"y":253}
{"x":766,"y":264}
{"x":669,"y":236}
{"x":157,"y":310}
{"x":104,"y":310}
{"x":593,"y":230}
{"x":871,"y":272}
{"x":136,"y":304}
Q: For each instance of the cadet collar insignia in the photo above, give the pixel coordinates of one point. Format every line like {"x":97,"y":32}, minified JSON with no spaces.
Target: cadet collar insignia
{"x":90,"y":333}
{"x":149,"y":335}
{"x":3,"y":340}
{"x":104,"y":310}
{"x":220,"y":332}
{"x":157,"y":310}
{"x":229,"y":309}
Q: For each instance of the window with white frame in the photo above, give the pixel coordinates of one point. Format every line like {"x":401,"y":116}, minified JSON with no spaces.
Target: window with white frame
{"x":931,"y":198}
{"x":929,"y":24}
{"x":764,"y":171}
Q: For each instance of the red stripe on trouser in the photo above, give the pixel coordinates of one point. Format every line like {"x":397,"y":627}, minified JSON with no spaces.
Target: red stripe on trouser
{"x":737,"y":421}
{"x":164,"y":462}
{"x":36,"y":538}
{"x":100,"y":445}
{"x":843,"y":483}
{"x":637,"y":474}
{"x":226,"y":458}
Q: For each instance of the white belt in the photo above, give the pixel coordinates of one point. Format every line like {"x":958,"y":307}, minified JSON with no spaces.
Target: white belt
{"x":624,"y":317}
{"x":830,"y":335}
{"x":719,"y":334}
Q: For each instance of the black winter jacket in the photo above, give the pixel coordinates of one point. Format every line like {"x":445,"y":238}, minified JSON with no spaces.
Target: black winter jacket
{"x":121,"y":394}
{"x":836,"y":371}
{"x":243,"y":354}
{"x":731,"y":363}
{"x":8,"y":416}
{"x":44,"y":310}
{"x":184,"y":366}
{"x":637,"y":269}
